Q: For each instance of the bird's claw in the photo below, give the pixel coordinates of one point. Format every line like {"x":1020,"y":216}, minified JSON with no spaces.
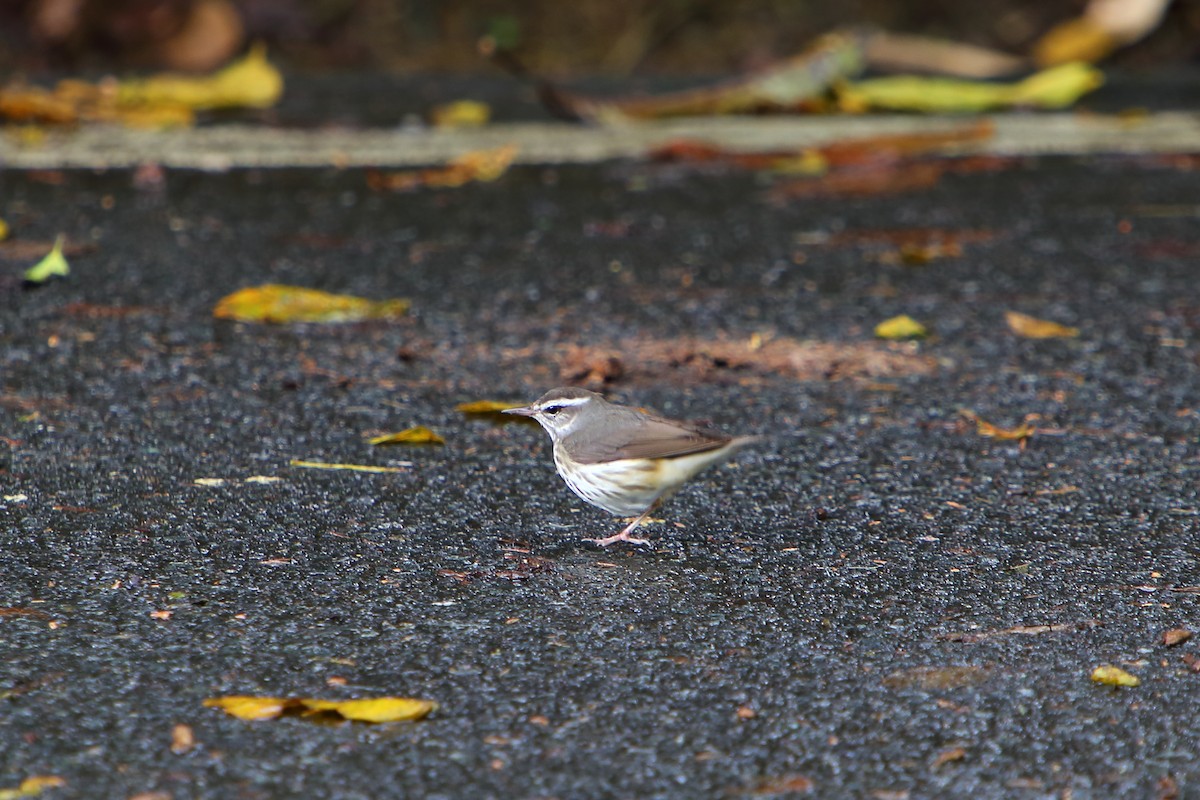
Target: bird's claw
{"x":623,"y":536}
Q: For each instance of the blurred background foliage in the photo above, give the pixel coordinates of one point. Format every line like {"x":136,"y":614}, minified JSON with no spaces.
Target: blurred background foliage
{"x":553,"y":37}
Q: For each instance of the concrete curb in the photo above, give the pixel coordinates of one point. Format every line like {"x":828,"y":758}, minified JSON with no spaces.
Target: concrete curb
{"x":229,"y":146}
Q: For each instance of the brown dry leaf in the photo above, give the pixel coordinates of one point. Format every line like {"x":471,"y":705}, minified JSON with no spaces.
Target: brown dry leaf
{"x":377,"y":709}
{"x":916,"y":255}
{"x":1108,"y":675}
{"x":1176,"y":636}
{"x":888,"y":176}
{"x":485,"y":407}
{"x":15,"y":611}
{"x":785,"y":85}
{"x":1168,"y":788}
{"x":807,"y":161}
{"x":297,"y":462}
{"x":278,"y":303}
{"x":182,"y":739}
{"x":1034,"y":328}
{"x":477,"y":165}
{"x":984,"y":428}
{"x":852,"y":168}
{"x":21,"y":103}
{"x":1019,"y":630}
{"x":784,"y":784}
{"x":908,"y":237}
{"x":901,"y":327}
{"x":898,"y":146}
{"x":1192,"y":661}
{"x":898,"y":52}
{"x":876,"y":179}
{"x":947,"y":756}
{"x":32,"y":787}
{"x":415,"y":435}
{"x":937,"y":678}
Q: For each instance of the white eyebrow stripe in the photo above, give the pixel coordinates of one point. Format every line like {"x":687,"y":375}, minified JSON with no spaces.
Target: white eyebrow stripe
{"x":572,"y":401}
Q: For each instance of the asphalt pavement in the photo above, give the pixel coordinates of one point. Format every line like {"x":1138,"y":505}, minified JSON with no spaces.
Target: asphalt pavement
{"x":880,"y":601}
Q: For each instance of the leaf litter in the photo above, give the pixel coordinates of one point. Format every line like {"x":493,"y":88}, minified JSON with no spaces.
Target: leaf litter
{"x":165,"y":100}
{"x":749,"y":359}
{"x":476,"y":166}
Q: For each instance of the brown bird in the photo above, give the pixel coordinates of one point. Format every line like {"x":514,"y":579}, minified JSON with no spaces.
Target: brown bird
{"x":620,"y":459}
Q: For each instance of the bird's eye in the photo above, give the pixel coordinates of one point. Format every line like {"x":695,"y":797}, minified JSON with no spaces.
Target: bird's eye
{"x":552,"y":410}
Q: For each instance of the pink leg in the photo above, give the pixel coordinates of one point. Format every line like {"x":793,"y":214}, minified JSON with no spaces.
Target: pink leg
{"x":624,"y":536}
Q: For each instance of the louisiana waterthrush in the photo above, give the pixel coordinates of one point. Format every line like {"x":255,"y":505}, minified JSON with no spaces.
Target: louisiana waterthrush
{"x":621,"y":459}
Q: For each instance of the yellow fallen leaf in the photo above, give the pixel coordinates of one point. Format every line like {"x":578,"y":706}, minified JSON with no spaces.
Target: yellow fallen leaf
{"x":376,"y":709}
{"x":1056,"y":87}
{"x":3,"y":230}
{"x":901,"y":327}
{"x":250,"y":82}
{"x":296,"y":462}
{"x":985,"y":428}
{"x":461,"y":114}
{"x":1077,"y":39}
{"x":1108,"y":675}
{"x":485,"y":407}
{"x":1034,"y":328}
{"x":250,"y":708}
{"x":54,"y":264}
{"x":417,"y":435}
{"x":275,"y":302}
{"x":1104,"y":26}
{"x":33,"y":786}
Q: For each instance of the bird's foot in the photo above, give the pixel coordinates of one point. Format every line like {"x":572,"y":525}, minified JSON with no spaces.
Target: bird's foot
{"x":623,"y":536}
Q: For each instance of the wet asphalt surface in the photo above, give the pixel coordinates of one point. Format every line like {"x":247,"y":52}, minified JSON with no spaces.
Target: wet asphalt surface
{"x":772,"y":636}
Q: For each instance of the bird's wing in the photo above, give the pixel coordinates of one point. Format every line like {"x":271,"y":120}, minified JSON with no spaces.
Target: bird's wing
{"x":650,"y":437}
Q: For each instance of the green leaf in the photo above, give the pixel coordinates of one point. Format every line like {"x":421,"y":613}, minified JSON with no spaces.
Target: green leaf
{"x":53,"y":264}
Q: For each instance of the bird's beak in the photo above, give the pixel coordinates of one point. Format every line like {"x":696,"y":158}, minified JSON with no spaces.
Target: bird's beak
{"x":523,"y":411}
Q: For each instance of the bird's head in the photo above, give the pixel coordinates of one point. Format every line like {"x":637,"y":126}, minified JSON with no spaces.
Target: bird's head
{"x":561,"y":411}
